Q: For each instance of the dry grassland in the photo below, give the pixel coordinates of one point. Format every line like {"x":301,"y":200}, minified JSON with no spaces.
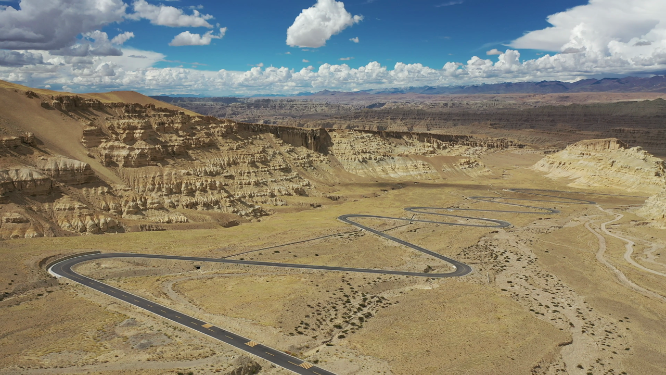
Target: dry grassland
{"x":538,"y":301}
{"x":437,"y":331}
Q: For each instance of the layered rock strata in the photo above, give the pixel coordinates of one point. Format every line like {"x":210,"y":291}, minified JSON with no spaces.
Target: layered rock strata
{"x":169,"y":167}
{"x":402,"y":154}
{"x":67,"y":171}
{"x":24,"y":180}
{"x":606,"y":163}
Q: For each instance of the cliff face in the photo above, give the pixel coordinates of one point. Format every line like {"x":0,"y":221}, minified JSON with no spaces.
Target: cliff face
{"x":313,"y":139}
{"x":146,"y":166}
{"x":24,"y":180}
{"x":606,"y":163}
{"x":405,"y":154}
{"x":442,"y":141}
{"x":655,"y":209}
{"x":67,"y":171}
{"x":68,"y":102}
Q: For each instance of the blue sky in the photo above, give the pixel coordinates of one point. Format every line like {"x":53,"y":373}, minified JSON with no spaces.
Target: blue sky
{"x":270,"y":47}
{"x":391,"y":31}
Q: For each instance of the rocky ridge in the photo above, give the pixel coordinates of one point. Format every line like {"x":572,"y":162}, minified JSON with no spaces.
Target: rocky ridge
{"x":611,"y":163}
{"x":606,"y":163}
{"x":655,"y":209}
{"x":149,"y":167}
{"x":400,"y":154}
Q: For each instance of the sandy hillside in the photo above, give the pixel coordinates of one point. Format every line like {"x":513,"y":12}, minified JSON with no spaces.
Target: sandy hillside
{"x":106,"y":97}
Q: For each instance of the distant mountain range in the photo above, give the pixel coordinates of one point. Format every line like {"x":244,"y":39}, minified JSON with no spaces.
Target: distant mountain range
{"x":628,"y":84}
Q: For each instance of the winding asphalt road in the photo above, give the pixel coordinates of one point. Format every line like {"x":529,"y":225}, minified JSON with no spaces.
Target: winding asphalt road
{"x":64,"y":269}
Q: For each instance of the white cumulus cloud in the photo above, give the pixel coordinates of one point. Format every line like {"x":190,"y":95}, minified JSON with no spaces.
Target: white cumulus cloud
{"x":355,"y":39}
{"x":165,"y":15}
{"x":630,"y":40}
{"x":85,"y":74}
{"x":187,"y":38}
{"x":16,"y":58}
{"x":315,"y":25}
{"x":95,"y":43}
{"x":122,"y":38}
{"x":600,"y":22}
{"x":54,"y":24}
{"x":604,"y":36}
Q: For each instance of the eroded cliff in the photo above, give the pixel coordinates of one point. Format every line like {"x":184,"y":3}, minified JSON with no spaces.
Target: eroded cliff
{"x":142,"y":167}
{"x":606,"y":163}
{"x":654,"y":209}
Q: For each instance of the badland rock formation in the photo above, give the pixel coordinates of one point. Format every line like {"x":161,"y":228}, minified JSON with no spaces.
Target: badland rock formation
{"x":606,"y":163}
{"x":77,"y":165}
{"x":611,"y":163}
{"x":655,"y":209}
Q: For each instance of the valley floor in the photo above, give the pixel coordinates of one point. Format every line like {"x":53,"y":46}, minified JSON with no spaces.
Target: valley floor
{"x":553,"y":293}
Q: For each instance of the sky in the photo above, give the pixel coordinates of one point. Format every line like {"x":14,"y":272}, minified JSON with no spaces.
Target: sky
{"x":250,"y":47}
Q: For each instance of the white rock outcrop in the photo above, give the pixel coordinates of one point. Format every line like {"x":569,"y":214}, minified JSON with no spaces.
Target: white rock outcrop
{"x":655,"y":209}
{"x":25,"y":180}
{"x":68,"y":171}
{"x":606,"y":163}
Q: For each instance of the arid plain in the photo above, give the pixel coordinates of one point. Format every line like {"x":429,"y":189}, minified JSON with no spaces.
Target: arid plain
{"x":580,"y":291}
